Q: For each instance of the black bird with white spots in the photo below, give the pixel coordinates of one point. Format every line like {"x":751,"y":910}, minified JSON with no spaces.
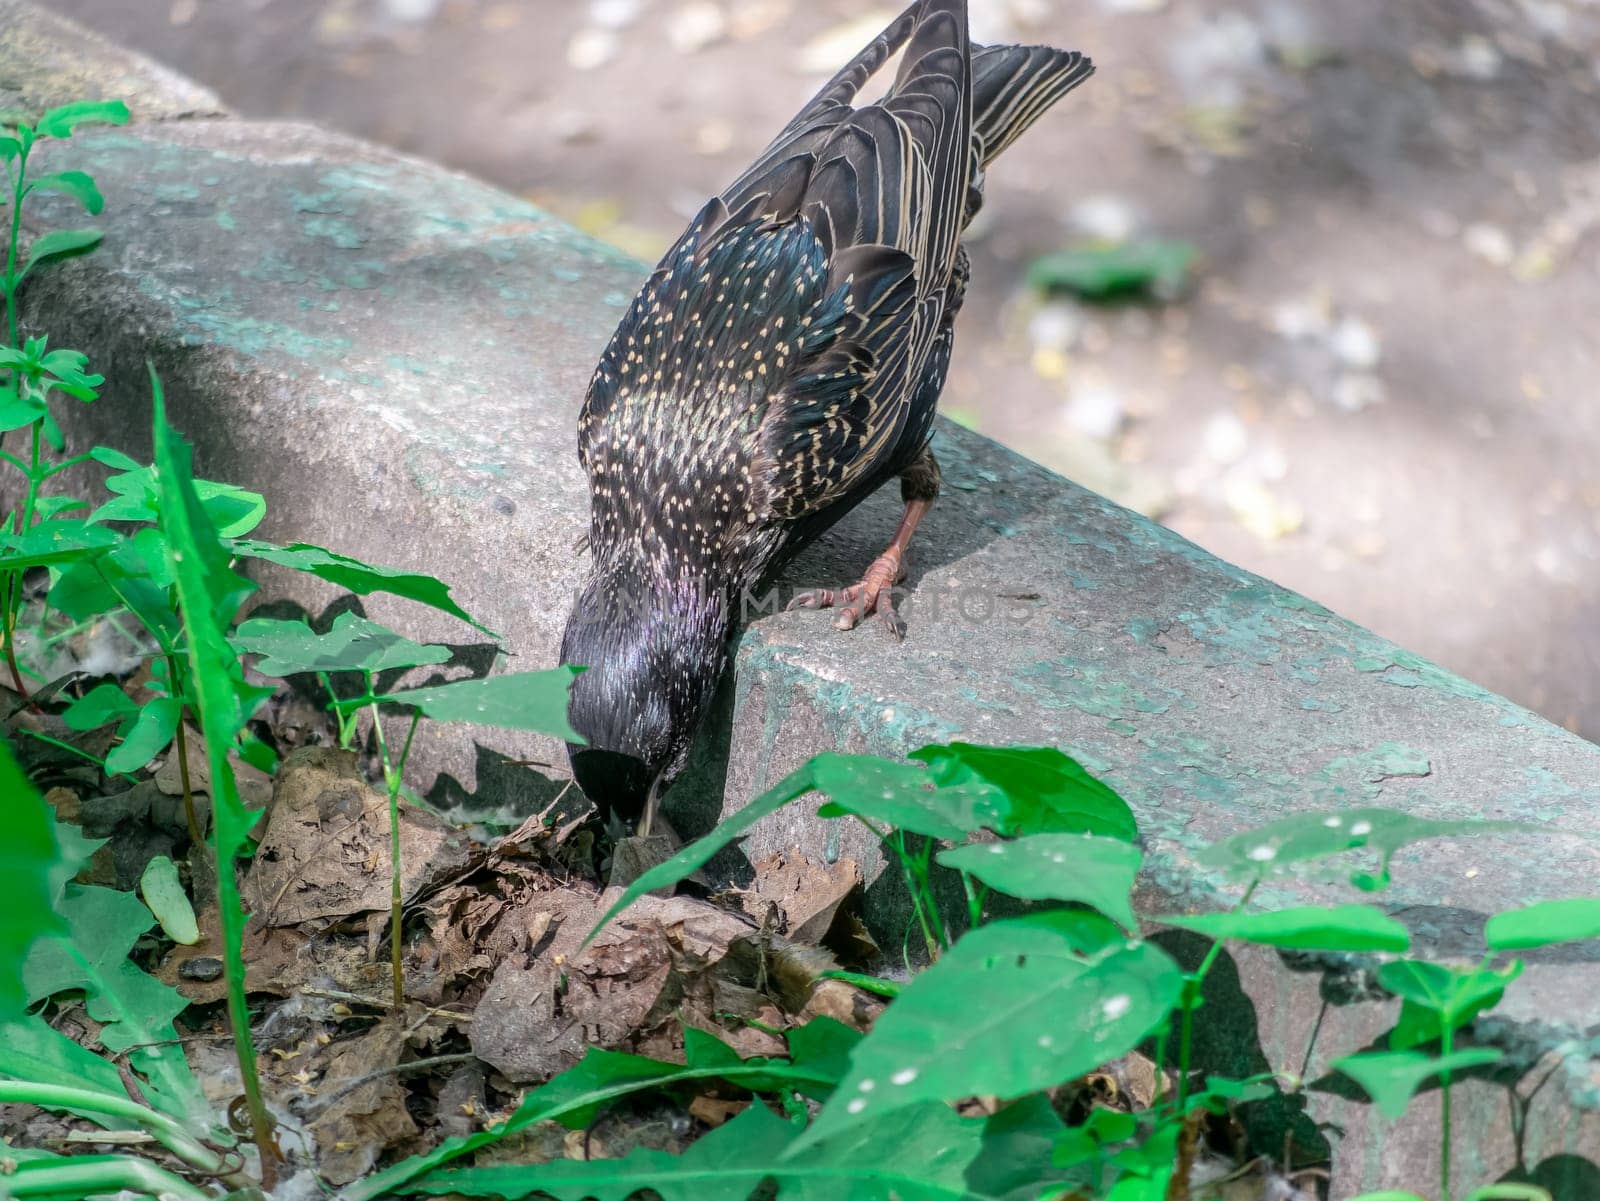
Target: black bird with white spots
{"x":782,"y":363}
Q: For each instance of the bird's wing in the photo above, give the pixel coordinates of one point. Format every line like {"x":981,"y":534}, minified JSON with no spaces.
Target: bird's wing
{"x":1012,"y":86}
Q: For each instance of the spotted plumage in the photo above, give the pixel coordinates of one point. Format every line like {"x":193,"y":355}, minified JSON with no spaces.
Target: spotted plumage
{"x":781,"y":363}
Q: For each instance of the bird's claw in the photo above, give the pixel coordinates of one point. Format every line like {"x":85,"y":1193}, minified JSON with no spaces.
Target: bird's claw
{"x":874,"y":595}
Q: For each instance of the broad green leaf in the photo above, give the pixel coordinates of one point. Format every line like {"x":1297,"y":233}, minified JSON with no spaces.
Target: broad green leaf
{"x":149,"y":733}
{"x":1544,"y":923}
{"x":1102,"y":272}
{"x":231,"y":510}
{"x":50,"y":507}
{"x":1049,"y":792}
{"x":358,"y":577}
{"x":10,"y":148}
{"x":31,"y":1049}
{"x":59,"y":244}
{"x":102,"y":704}
{"x":819,"y":1056}
{"x":700,"y":852}
{"x":72,"y":183}
{"x":905,"y":796}
{"x":518,"y":700}
{"x":1303,"y":928}
{"x":919,"y":1153}
{"x":1392,"y":1078}
{"x":1274,"y":848}
{"x":163,"y":893}
{"x":60,"y":122}
{"x":1062,"y":867}
{"x":352,"y":644}
{"x":135,"y":1009}
{"x":1437,"y":997}
{"x":1090,"y":1142}
{"x":114,"y":458}
{"x":17,"y":410}
{"x":28,"y":854}
{"x":53,"y":543}
{"x":1011,"y":1008}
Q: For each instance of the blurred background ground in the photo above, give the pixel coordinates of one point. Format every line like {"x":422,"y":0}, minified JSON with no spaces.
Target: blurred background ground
{"x":1376,"y":386}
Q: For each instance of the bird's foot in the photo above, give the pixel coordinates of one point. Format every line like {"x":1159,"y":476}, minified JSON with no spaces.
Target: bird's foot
{"x":873,"y":595}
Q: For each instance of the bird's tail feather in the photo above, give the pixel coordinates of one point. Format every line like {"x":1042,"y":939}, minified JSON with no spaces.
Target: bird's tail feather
{"x":1013,"y":86}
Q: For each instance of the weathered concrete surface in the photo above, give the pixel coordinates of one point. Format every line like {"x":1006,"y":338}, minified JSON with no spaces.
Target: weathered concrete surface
{"x":46,"y":60}
{"x":395,"y":356}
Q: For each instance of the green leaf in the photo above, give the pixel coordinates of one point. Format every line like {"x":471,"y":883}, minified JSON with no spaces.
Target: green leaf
{"x":1013,"y":1007}
{"x":818,"y":1056}
{"x":60,"y":122}
{"x":28,"y":854}
{"x":1063,"y":867}
{"x":150,"y":733}
{"x":53,"y":543}
{"x":31,"y":1049}
{"x":10,"y":148}
{"x":102,"y":704}
{"x":519,"y":700}
{"x":352,"y":644}
{"x":114,"y":458}
{"x":71,"y":183}
{"x":1543,"y":924}
{"x":919,"y":1153}
{"x":232,"y":510}
{"x":1274,"y":848}
{"x":700,"y":852}
{"x":17,"y":410}
{"x":361,"y":578}
{"x":1392,"y":1078}
{"x":135,"y":1009}
{"x":1088,"y":1143}
{"x":1303,"y":928}
{"x":1103,"y":272}
{"x":1049,"y":792}
{"x":1437,"y":998}
{"x":906,"y":796}
{"x":59,"y":244}
{"x":163,"y":893}
{"x":209,"y":594}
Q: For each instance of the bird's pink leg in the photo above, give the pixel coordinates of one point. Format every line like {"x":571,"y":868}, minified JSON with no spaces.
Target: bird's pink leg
{"x":874,"y":592}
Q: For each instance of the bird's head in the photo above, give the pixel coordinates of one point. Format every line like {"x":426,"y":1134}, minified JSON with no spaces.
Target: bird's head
{"x":653,"y":656}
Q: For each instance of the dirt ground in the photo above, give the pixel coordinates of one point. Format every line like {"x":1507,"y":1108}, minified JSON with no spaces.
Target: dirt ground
{"x":1378,"y":388}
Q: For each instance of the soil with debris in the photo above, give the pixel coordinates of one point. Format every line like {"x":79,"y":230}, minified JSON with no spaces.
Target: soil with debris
{"x":1377,"y":390}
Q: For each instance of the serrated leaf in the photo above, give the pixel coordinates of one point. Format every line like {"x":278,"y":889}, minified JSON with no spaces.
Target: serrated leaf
{"x":163,"y":893}
{"x":1544,"y":924}
{"x":1392,"y":1078}
{"x":358,"y":577}
{"x":352,"y":644}
{"x":1011,"y":1008}
{"x":61,"y":121}
{"x":1062,"y":867}
{"x":520,"y":700}
{"x":114,"y":458}
{"x":1347,"y":928}
{"x":1049,"y":792}
{"x":58,"y":244}
{"x":232,"y":511}
{"x":76,"y":184}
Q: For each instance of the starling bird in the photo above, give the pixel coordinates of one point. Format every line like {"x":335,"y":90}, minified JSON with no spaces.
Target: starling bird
{"x":781,"y":364}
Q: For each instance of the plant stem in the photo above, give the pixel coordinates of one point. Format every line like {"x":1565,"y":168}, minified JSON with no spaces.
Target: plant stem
{"x":169,"y":1133}
{"x":391,"y":779}
{"x":183,"y":777}
{"x":1446,"y":1044}
{"x":11,"y":249}
{"x":1188,"y":1002}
